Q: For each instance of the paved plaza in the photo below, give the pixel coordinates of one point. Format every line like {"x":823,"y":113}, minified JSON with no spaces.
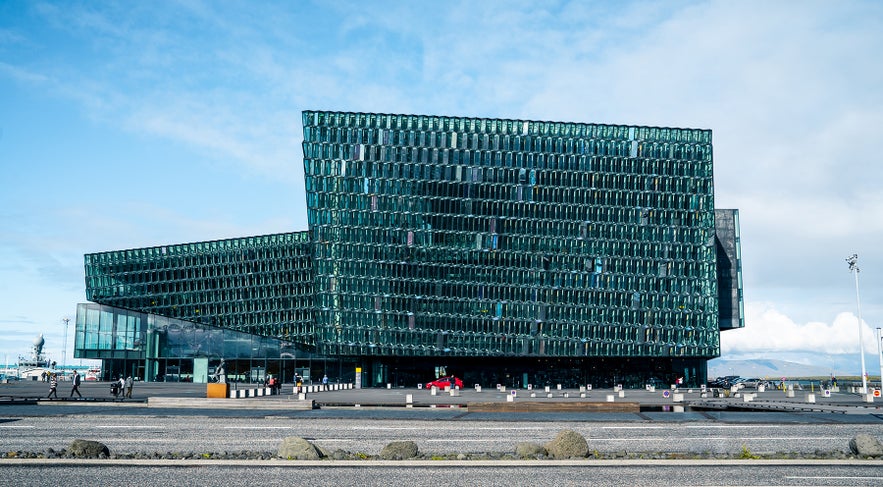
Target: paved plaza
{"x":478,"y":399}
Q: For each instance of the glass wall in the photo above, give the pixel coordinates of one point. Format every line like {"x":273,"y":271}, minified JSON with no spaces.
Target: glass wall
{"x":159,"y":348}
{"x":450,"y":236}
{"x":260,"y":285}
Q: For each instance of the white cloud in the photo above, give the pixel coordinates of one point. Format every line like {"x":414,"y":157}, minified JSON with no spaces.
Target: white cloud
{"x":770,"y":332}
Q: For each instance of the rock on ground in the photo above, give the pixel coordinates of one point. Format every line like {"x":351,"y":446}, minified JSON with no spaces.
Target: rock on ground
{"x":399,"y":450}
{"x":296,"y":448}
{"x":866,"y":446}
{"x":568,"y":444}
{"x":89,"y":449}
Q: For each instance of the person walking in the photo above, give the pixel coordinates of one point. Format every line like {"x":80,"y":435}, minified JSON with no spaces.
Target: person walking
{"x":53,"y":386}
{"x":75,"y":380}
{"x":130,"y":384}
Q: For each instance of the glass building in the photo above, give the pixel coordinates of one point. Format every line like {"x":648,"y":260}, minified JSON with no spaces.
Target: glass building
{"x":505,"y":251}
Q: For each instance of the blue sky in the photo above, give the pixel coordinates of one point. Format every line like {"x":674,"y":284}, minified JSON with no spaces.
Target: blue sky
{"x":131,"y":124}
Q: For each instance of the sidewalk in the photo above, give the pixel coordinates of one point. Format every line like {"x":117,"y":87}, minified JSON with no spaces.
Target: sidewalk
{"x":160,"y":394}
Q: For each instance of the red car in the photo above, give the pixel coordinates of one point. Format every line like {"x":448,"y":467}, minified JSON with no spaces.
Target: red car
{"x":443,"y":382}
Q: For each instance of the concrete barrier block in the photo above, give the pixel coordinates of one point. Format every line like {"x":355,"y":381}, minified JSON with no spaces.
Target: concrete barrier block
{"x":677,"y":397}
{"x":621,"y":393}
{"x":477,"y":388}
{"x":869,"y":397}
{"x":510,"y":398}
{"x":548,"y":388}
{"x":610,"y":398}
{"x":810,"y":398}
{"x":302,"y":396}
{"x":559,"y":387}
{"x":582,"y":388}
{"x":549,"y":395}
{"x":433,"y":391}
{"x":409,"y":399}
{"x":533,"y":394}
{"x":453,"y":392}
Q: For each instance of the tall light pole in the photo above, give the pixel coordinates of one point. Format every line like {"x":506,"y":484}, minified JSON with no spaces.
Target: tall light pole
{"x":64,"y":345}
{"x":852,"y":260}
{"x":880,"y":353}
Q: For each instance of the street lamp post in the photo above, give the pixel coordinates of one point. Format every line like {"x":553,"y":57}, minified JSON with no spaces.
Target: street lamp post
{"x":880,"y":353}
{"x":64,"y":345}
{"x":852,"y":260}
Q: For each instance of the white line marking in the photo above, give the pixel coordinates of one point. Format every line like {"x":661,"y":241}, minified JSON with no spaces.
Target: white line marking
{"x":834,"y":478}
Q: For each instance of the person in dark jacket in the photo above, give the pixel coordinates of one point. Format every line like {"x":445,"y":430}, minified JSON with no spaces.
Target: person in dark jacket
{"x":75,"y":380}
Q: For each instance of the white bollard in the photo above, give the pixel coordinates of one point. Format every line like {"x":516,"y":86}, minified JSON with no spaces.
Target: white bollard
{"x":301,"y":396}
{"x":566,"y":394}
{"x":477,"y":388}
{"x":869,"y":398}
{"x":454,"y":392}
{"x":433,"y":391}
{"x":409,"y":400}
{"x":533,"y":394}
{"x":810,"y":398}
{"x":548,"y":388}
{"x":582,"y":395}
{"x":510,"y":398}
{"x":609,"y":397}
{"x":559,"y":387}
{"x":388,"y":385}
{"x":549,"y":395}
{"x":621,"y":393}
{"x":582,"y":388}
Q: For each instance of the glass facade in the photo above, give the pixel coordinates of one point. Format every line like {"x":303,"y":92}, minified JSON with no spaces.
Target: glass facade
{"x":438,"y":236}
{"x":505,"y":251}
{"x":159,"y":348}
{"x":729,"y":269}
{"x":259,"y":285}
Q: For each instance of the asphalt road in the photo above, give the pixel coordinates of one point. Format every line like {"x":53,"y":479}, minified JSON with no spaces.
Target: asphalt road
{"x":206,"y":434}
{"x":132,"y":427}
{"x":620,"y":474}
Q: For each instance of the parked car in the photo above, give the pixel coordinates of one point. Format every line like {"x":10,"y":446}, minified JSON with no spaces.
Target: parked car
{"x":443,"y":382}
{"x":754,"y":383}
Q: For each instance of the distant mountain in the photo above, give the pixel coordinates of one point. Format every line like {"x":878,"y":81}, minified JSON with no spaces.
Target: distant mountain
{"x":764,"y":368}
